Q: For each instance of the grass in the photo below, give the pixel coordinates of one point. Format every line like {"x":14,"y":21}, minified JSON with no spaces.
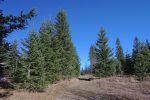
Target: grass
{"x":110,"y":88}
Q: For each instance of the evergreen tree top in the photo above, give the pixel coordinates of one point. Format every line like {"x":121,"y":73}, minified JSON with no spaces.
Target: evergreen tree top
{"x":46,"y":27}
{"x":62,"y":25}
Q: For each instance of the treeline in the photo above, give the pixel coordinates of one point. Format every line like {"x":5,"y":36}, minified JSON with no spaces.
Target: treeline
{"x":103,"y":63}
{"x":47,"y":56}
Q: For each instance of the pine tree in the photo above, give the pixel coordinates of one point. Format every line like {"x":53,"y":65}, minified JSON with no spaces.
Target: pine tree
{"x":129,"y":67}
{"x":75,"y":63}
{"x":104,"y":57}
{"x":119,"y":53}
{"x":142,"y":63}
{"x":148,"y":44}
{"x":92,"y":56}
{"x":136,"y":48}
{"x":46,"y":35}
{"x":8,"y":24}
{"x":4,"y":48}
{"x":118,"y":66}
{"x":35,"y":62}
{"x":67,"y":56}
{"x":13,"y":61}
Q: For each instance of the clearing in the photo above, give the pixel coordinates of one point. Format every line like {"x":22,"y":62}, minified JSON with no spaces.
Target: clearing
{"x":111,"y":88}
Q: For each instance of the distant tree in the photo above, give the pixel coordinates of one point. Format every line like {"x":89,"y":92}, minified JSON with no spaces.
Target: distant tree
{"x":129,"y":67}
{"x":148,"y":44}
{"x":119,"y":53}
{"x":118,"y":67}
{"x":136,"y":48}
{"x":142,"y":64}
{"x":87,"y":69}
{"x":67,"y":56}
{"x":103,"y":56}
{"x":142,"y":61}
{"x":92,"y":56}
{"x":82,"y":71}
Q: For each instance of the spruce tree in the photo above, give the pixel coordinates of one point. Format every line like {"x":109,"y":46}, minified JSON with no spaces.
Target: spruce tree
{"x":136,"y":48}
{"x":104,"y":66}
{"x":13,"y":61}
{"x":75,"y":63}
{"x":119,"y":53}
{"x":35,"y":62}
{"x":92,"y":56}
{"x":128,"y":69}
{"x":118,"y":66}
{"x":46,"y":35}
{"x":148,"y":44}
{"x":142,"y":63}
{"x":8,"y":24}
{"x":67,"y":56}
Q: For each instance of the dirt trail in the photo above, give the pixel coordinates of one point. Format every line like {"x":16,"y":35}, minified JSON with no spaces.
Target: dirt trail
{"x":112,"y":88}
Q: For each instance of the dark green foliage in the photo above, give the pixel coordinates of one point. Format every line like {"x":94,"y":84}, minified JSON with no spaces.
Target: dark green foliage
{"x":128,"y":69}
{"x":136,"y":48}
{"x":148,"y":44}
{"x":82,"y":71}
{"x":9,"y":23}
{"x":34,"y":62}
{"x":87,"y":70}
{"x":4,"y":47}
{"x":118,"y":67}
{"x":12,"y":61}
{"x":142,"y":61}
{"x":104,"y":66}
{"x":49,"y":55}
{"x":119,"y":53}
{"x":68,"y":59}
{"x":46,"y":35}
{"x":142,"y":64}
{"x":75,"y":63}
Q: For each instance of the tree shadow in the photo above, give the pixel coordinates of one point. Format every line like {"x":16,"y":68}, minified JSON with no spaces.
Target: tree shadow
{"x":5,"y":94}
{"x":6,"y":85}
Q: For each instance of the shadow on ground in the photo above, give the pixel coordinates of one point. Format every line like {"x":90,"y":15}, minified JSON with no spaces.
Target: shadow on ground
{"x":5,"y":94}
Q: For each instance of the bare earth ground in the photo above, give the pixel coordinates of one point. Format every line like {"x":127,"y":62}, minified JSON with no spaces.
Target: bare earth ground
{"x":112,"y":88}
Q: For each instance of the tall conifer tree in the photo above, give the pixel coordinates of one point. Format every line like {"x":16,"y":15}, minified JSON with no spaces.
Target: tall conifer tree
{"x":119,"y":53}
{"x":136,"y":48}
{"x":46,"y":35}
{"x":35,"y":62}
{"x":13,"y":60}
{"x":128,"y":69}
{"x":104,"y":56}
{"x":66,"y":53}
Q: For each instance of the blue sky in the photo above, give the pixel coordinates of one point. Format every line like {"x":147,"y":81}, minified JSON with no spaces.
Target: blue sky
{"x":121,"y":18}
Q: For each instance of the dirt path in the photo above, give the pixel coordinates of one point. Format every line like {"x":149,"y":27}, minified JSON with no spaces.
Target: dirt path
{"x":112,"y":88}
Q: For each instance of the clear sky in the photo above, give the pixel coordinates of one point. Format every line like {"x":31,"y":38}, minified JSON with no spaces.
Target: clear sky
{"x":121,"y":18}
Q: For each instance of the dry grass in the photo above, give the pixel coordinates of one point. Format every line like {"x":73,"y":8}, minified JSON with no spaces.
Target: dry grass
{"x":112,"y":88}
